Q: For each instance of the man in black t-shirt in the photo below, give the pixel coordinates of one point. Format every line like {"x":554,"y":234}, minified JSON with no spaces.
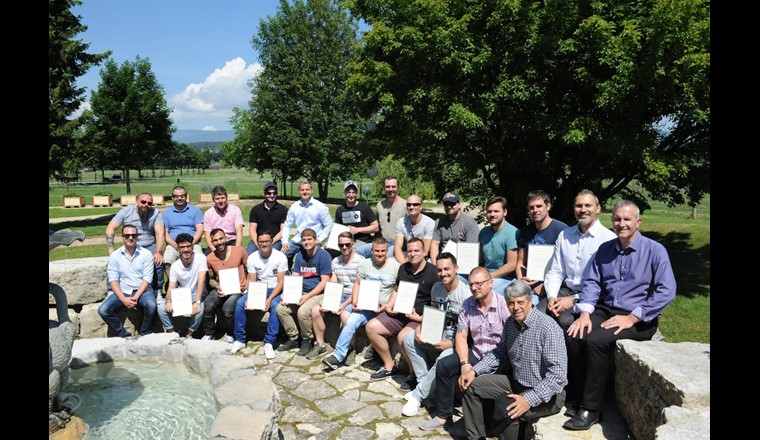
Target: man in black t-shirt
{"x":268,"y":216}
{"x":360,"y":219}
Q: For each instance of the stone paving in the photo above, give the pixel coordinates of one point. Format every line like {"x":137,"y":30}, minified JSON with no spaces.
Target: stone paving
{"x":345,"y":404}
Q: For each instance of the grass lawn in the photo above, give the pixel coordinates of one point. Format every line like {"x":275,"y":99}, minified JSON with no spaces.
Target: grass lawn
{"x":687,"y":240}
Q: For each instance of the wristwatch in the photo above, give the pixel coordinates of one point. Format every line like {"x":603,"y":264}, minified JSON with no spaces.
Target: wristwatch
{"x":576,"y":298}
{"x":196,"y":302}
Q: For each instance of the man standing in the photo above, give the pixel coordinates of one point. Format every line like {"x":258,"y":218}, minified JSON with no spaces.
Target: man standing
{"x":149,"y":222}
{"x":344,"y":270}
{"x":313,"y":264}
{"x":534,"y":347}
{"x":628,"y":284}
{"x":391,"y":323}
{"x":180,"y":218}
{"x":223,"y":216}
{"x":378,"y":268}
{"x":389,"y":211}
{"x":482,"y":317}
{"x":413,"y":225}
{"x":130,"y":273}
{"x":498,"y":243}
{"x":448,"y":295}
{"x":307,"y":213}
{"x":542,"y":229}
{"x":225,"y":256}
{"x":269,"y":216}
{"x":454,"y":226}
{"x":360,"y":219}
{"x":267,"y":265}
{"x":574,"y":248}
{"x":189,"y":271}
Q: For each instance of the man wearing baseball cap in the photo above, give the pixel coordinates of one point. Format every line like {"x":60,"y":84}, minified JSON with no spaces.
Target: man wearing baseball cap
{"x":269,"y":216}
{"x":455,"y":226}
{"x":359,"y":218}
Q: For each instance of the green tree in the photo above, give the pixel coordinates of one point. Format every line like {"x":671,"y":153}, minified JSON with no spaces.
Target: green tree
{"x":67,"y":61}
{"x":498,"y":97}
{"x":301,"y":120}
{"x":129,"y":117}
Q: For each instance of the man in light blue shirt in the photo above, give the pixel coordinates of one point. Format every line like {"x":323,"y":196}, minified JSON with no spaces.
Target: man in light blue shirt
{"x":130,"y":274}
{"x":309,"y":213}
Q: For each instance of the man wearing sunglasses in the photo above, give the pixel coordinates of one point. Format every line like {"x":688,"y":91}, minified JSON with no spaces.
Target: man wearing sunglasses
{"x":129,"y":276}
{"x":454,"y":226}
{"x":360,"y":219}
{"x":389,"y":211}
{"x":414,"y":224}
{"x":268,"y":215}
{"x":149,"y":222}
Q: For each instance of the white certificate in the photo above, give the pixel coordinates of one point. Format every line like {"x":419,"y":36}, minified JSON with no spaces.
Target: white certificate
{"x":539,"y":260}
{"x":257,"y":295}
{"x":333,"y":294}
{"x":229,"y":280}
{"x":369,"y":295}
{"x":292,"y":289}
{"x":468,"y":254}
{"x":451,"y":247}
{"x":332,"y":240}
{"x":431,"y":329}
{"x":182,"y":301}
{"x":405,"y":296}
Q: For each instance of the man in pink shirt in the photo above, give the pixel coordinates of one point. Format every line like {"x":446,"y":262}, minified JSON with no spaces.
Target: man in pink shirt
{"x":224,"y":216}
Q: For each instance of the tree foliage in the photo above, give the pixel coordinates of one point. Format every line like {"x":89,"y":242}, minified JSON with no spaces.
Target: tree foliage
{"x":67,"y":61}
{"x":129,"y":120}
{"x":507,"y":96}
{"x":301,"y":121}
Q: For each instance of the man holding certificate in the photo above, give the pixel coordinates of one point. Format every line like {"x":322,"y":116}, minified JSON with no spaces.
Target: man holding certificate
{"x":344,"y":271}
{"x":440,"y":323}
{"x":313,"y":264}
{"x":540,"y":234}
{"x":482,"y":317}
{"x":266,"y":268}
{"x":404,"y":312}
{"x":226,"y":266}
{"x":187,"y":277}
{"x":372,"y":290}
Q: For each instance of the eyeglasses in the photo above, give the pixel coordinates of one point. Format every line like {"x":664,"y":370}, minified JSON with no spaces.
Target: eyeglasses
{"x":413,"y":204}
{"x":179,"y":196}
{"x":271,"y":193}
{"x":145,"y":202}
{"x":262,"y":242}
{"x":344,"y":245}
{"x":129,"y":235}
{"x":477,"y":284}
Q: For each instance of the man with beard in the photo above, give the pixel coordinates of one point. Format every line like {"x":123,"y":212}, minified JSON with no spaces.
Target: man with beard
{"x":223,"y":257}
{"x":223,"y":216}
{"x":150,"y":228}
{"x":359,"y":218}
{"x":389,"y":211}
{"x":498,"y":245}
{"x":179,"y":218}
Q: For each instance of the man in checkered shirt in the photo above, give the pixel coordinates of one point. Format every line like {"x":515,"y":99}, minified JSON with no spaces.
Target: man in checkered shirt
{"x":533,"y":352}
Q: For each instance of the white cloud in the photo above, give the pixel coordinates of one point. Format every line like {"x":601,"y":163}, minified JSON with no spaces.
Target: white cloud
{"x":209,"y":128}
{"x":222,"y":90}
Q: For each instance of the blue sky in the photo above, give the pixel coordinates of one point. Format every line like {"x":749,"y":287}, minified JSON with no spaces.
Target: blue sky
{"x":200,"y":51}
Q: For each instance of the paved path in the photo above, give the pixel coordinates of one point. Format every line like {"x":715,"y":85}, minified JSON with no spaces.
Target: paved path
{"x":345,"y":404}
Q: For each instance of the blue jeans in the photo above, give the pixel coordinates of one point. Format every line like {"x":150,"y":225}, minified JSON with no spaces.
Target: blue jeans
{"x":364,"y":249}
{"x":293,"y":249}
{"x":416,"y":353}
{"x":166,"y":319}
{"x":112,"y":303}
{"x":251,"y":248}
{"x":158,"y":272}
{"x":211,"y":303}
{"x":357,"y":319}
{"x":273,"y":325}
{"x":499,"y":284}
{"x":390,"y":247}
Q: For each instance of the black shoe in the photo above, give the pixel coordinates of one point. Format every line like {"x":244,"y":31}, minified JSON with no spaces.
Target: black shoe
{"x":572,"y":408}
{"x":288,"y":345}
{"x":332,"y":362}
{"x":409,"y":383}
{"x":383,"y":372}
{"x":582,"y":420}
{"x":305,"y":347}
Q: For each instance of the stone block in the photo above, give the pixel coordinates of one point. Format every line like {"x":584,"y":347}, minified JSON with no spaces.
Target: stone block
{"x":83,"y":279}
{"x":243,"y":423}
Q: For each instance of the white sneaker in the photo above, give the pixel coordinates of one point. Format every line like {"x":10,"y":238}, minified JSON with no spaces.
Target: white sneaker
{"x":409,"y":395}
{"x":411,"y":407}
{"x":207,"y":338}
{"x":236,"y":346}
{"x":229,"y":339}
{"x":268,"y":351}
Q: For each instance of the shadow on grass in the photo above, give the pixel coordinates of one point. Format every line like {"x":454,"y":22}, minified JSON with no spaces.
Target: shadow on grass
{"x":74,"y":224}
{"x":691,"y":266}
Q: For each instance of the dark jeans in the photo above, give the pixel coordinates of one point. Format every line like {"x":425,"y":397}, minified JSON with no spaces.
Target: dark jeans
{"x":492,"y":390}
{"x":273,"y":325}
{"x":111,"y":304}
{"x":446,"y":376}
{"x":566,"y":318}
{"x":589,"y":358}
{"x":210,"y":306}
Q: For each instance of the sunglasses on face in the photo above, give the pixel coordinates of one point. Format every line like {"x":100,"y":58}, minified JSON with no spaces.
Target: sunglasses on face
{"x":179,"y":196}
{"x":145,"y":202}
{"x":129,"y":235}
{"x":409,"y":205}
{"x":344,"y":245}
{"x":271,"y":193}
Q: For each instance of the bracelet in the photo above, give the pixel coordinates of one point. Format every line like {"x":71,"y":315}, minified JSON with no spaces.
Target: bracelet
{"x":168,"y":300}
{"x":465,"y":362}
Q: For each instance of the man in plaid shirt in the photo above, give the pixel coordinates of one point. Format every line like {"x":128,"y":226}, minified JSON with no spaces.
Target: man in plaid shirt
{"x":533,"y":351}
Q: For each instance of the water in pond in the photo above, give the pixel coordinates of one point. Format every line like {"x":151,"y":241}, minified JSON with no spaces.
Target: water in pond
{"x":143,"y":400}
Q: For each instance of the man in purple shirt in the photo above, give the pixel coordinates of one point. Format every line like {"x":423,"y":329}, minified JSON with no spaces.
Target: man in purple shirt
{"x":627,"y":286}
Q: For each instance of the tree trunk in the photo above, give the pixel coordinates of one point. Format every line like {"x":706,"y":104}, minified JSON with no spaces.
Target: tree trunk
{"x":127,"y":180}
{"x":694,"y":212}
{"x":324,"y":186}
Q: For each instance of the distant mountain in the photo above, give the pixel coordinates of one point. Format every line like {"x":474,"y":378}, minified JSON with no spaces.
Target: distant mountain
{"x":188,"y":136}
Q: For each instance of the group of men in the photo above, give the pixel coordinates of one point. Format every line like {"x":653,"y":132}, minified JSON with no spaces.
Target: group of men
{"x":516,"y":348}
